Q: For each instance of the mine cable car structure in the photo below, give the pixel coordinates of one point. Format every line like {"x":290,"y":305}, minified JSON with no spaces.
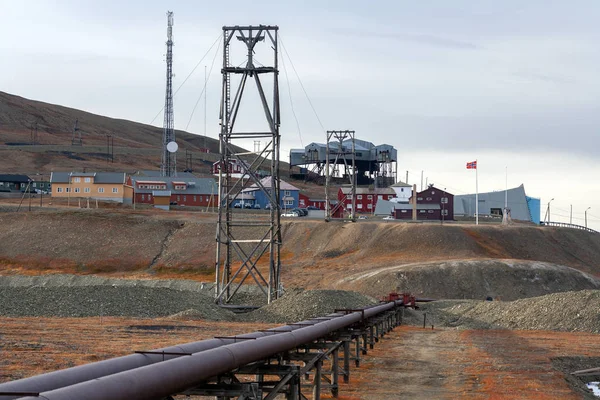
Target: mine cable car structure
{"x":244,"y":238}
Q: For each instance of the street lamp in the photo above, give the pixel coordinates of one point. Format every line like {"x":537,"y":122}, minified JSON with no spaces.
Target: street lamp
{"x":586,"y":216}
{"x":548,"y":210}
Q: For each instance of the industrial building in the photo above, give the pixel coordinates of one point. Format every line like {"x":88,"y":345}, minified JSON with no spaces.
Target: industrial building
{"x":374,"y":164}
{"x":521,"y":206}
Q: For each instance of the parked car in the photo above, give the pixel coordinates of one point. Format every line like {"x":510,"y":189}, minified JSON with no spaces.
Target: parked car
{"x":362,"y":217}
{"x":289,"y":214}
{"x":247,"y":205}
{"x":237,"y":205}
{"x":268,"y":206}
{"x":389,"y":218}
{"x":312,"y":208}
{"x":257,"y":206}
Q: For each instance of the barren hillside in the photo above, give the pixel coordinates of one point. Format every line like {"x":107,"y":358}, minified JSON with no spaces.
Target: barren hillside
{"x":371,"y":257}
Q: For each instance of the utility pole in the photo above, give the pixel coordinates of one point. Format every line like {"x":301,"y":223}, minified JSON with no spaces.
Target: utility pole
{"x":421,"y":181}
{"x":586,"y":216}
{"x":571,"y":215}
{"x":168,"y":163}
{"x":406,"y":178}
{"x":205,"y":90}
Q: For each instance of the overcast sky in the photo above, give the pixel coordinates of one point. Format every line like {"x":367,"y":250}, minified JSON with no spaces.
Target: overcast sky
{"x":511,"y":83}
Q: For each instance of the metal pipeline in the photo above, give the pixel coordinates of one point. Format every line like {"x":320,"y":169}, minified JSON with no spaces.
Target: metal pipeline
{"x":70,"y":376}
{"x":158,"y":380}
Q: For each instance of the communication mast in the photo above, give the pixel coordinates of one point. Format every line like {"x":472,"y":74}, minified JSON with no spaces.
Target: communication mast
{"x":168,"y":166}
{"x":245,"y":238}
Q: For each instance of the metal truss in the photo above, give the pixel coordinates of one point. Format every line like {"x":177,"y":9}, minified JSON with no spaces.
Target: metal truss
{"x":338,"y":153}
{"x":244,"y":238}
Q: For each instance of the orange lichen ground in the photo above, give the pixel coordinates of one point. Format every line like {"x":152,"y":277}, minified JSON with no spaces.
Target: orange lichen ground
{"x":408,"y":363}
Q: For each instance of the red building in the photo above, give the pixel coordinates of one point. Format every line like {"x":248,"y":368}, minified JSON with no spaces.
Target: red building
{"x":234,"y":167}
{"x":366,"y":198}
{"x":432,"y":204}
{"x":184,"y":191}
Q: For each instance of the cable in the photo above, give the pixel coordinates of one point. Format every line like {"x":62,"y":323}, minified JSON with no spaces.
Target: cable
{"x":189,"y":75}
{"x":291,"y":102}
{"x":204,"y":88}
{"x":302,"y":86}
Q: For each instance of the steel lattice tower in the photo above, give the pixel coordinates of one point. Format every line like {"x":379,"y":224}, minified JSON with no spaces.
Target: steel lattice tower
{"x":244,"y":238}
{"x":168,"y":166}
{"x":336,"y":151}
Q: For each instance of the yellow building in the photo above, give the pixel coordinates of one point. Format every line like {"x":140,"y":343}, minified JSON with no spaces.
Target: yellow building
{"x":88,"y":185}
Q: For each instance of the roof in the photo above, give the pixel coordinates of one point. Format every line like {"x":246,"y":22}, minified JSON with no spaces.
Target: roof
{"x":401,"y":184}
{"x":266,"y":182}
{"x":99,"y":177}
{"x":193,"y":185}
{"x":385,"y":207}
{"x":161,"y":193}
{"x":157,"y":174}
{"x":14,"y":178}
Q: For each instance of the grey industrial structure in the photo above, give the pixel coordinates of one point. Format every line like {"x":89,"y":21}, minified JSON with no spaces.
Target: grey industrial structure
{"x":374,"y":163}
{"x":521,"y":206}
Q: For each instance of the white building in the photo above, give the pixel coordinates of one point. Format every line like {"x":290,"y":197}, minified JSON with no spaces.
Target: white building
{"x":403,"y":192}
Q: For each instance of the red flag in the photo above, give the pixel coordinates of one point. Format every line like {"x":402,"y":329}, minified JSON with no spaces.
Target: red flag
{"x":472,"y":165}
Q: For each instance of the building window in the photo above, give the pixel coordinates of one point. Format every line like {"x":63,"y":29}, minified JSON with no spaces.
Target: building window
{"x":433,"y":192}
{"x":369,"y":206}
{"x":359,"y":197}
{"x":149,"y":197}
{"x":143,"y":197}
{"x":194,"y":199}
{"x":178,"y":198}
{"x":421,"y":211}
{"x":68,"y":190}
{"x":115,"y":190}
{"x":428,"y":199}
{"x":88,"y":180}
{"x":444,"y":200}
{"x":184,"y":199}
{"x":77,"y":180}
{"x":380,"y":197}
{"x":445,"y":212}
{"x":33,"y":184}
{"x":77,"y":190}
{"x":86,"y":190}
{"x":370,"y":197}
{"x":289,"y":202}
{"x":430,"y":211}
{"x":58,"y":190}
{"x":101,"y":190}
{"x":359,"y":206}
{"x":403,"y":211}
{"x":419,"y":199}
{"x":402,"y":189}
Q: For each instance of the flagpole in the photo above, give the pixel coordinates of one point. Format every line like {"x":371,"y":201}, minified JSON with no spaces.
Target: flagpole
{"x":506,"y":187}
{"x":476,"y":195}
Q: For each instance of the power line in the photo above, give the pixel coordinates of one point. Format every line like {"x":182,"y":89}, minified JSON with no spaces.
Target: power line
{"x":291,"y":102}
{"x":189,"y":75}
{"x":204,"y":88}
{"x":302,"y":85}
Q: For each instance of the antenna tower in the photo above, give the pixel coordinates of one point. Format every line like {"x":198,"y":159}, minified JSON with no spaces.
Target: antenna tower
{"x":245,"y":238}
{"x":168,"y":166}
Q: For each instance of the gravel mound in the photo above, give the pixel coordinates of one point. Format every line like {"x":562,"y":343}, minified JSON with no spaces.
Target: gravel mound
{"x":92,"y":301}
{"x":298,"y":306}
{"x":566,"y":311}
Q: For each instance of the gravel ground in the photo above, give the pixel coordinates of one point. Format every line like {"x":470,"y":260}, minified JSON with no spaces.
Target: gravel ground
{"x":300,"y":305}
{"x":567,"y":311}
{"x":89,"y":296}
